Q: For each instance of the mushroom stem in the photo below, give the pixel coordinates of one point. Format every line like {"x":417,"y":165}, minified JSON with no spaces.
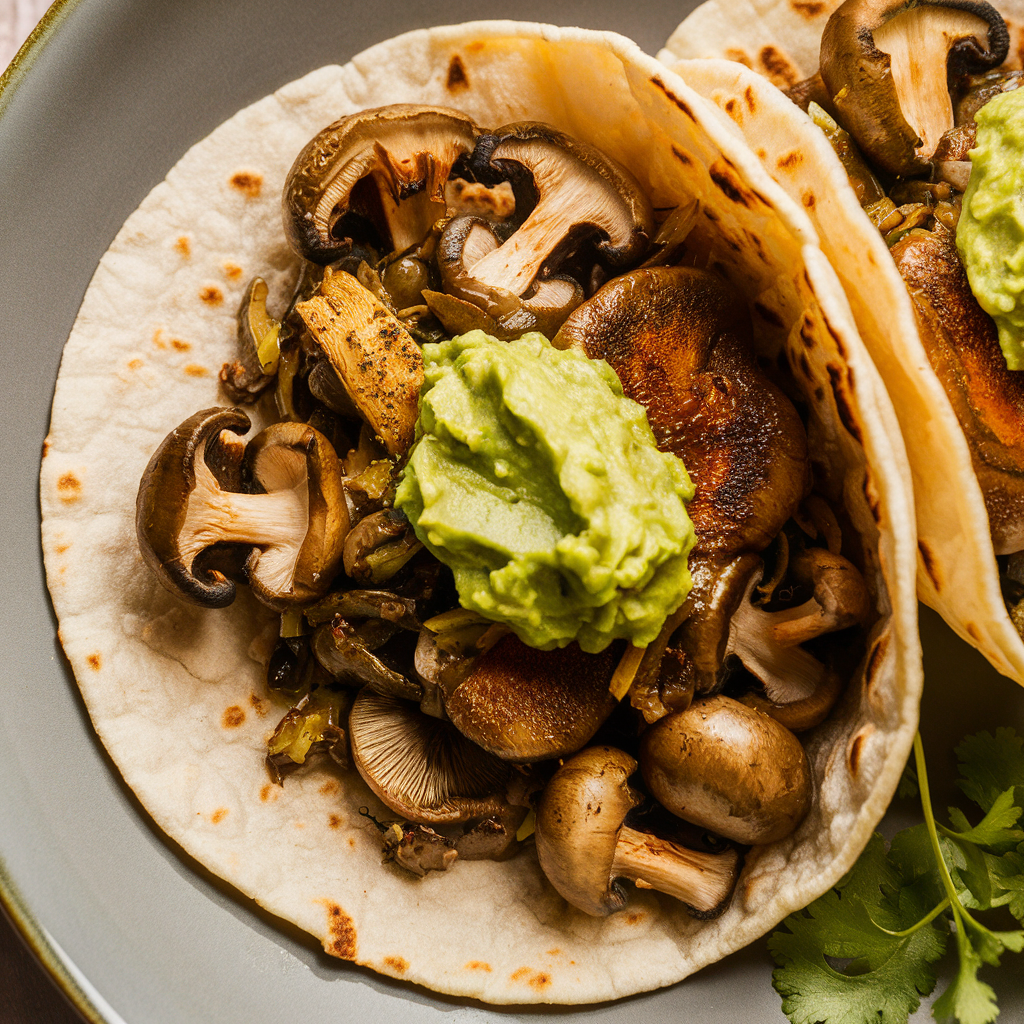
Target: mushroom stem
{"x":703,"y":881}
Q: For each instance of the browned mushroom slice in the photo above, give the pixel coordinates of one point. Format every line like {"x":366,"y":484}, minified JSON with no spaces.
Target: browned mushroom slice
{"x":728,"y":768}
{"x":526,"y":705}
{"x":421,"y":767}
{"x":373,"y":354}
{"x":886,"y":64}
{"x":963,"y":348}
{"x":584,"y":847}
{"x":575,"y":194}
{"x":679,"y":340}
{"x":389,"y":165}
{"x":294,"y":529}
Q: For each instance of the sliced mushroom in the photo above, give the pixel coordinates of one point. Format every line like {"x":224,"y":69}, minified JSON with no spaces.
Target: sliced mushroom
{"x":379,"y":545}
{"x":886,"y":64}
{"x":574,"y":194}
{"x":543,"y":307}
{"x":388,"y":165}
{"x":422,"y":768}
{"x":295,"y":528}
{"x":253,"y":372}
{"x":525,"y":705}
{"x":352,"y":662}
{"x":728,"y":768}
{"x":373,"y":354}
{"x":315,"y":725}
{"x":679,"y":340}
{"x":584,"y":847}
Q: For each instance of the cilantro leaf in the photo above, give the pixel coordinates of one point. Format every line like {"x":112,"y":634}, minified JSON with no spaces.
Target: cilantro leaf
{"x":1009,"y":877}
{"x":995,"y":829}
{"x":991,"y":765}
{"x":967,"y":999}
{"x":888,"y":975}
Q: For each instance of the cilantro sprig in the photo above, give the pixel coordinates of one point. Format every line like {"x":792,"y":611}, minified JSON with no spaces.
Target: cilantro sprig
{"x":865,"y":952}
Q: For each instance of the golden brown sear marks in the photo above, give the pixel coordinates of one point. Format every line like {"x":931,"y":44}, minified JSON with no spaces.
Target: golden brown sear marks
{"x":249,"y":183}
{"x":233,"y":717}
{"x":341,"y":938}
{"x":69,"y":487}
{"x":458,"y":80}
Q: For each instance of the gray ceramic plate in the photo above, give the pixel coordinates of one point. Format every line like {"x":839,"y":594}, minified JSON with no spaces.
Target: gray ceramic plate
{"x":110,"y":94}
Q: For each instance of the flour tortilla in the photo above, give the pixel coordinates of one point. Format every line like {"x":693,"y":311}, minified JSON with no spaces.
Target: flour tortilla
{"x":957,"y":571}
{"x":172,"y":690}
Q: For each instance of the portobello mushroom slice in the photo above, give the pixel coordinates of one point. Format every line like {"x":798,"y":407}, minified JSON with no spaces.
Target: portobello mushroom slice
{"x":373,"y":354}
{"x":962,"y":343}
{"x":678,"y":339}
{"x":886,"y":64}
{"x":294,"y":528}
{"x":387,"y":167}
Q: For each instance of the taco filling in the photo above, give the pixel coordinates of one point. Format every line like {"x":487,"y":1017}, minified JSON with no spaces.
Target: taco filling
{"x":479,"y":539}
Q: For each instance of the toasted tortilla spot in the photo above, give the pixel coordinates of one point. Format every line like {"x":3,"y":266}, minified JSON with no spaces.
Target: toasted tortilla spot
{"x":352,"y":843}
{"x":211,"y":295}
{"x":682,"y":156}
{"x":540,"y":981}
{"x":731,"y":108}
{"x":158,"y":339}
{"x":232,"y":271}
{"x":554,"y":952}
{"x":673,"y":98}
{"x":521,"y":975}
{"x":183,"y":246}
{"x":457,"y":77}
{"x":974,"y":632}
{"x":808,"y":8}
{"x":259,"y":705}
{"x":94,"y":662}
{"x":751,"y":99}
{"x":769,"y":315}
{"x":790,"y":159}
{"x":819,"y":394}
{"x":762,"y":154}
{"x":70,"y":488}
{"x":268,"y":794}
{"x":341,"y":940}
{"x":875,"y":658}
{"x":710,"y":214}
{"x":61,"y":548}
{"x":329,"y":788}
{"x":809,"y":200}
{"x":397,"y":963}
{"x":135,"y":364}
{"x":778,"y":66}
{"x":807,"y":333}
{"x":195,"y":370}
{"x":180,"y":346}
{"x":46,"y":447}
{"x":805,"y":366}
{"x":840,"y":384}
{"x":334,"y":821}
{"x":219,"y":815}
{"x":233,"y":717}
{"x":635,"y":917}
{"x":734,"y":53}
{"x":249,"y":183}
{"x":722,"y":174}
{"x":930,"y":567}
{"x":856,"y":747}
{"x":477,"y":965}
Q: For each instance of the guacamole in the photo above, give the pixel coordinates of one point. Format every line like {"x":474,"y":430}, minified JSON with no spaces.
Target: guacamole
{"x":540,"y":485}
{"x":990,"y":235}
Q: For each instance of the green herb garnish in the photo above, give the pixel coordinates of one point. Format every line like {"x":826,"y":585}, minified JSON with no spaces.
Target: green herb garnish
{"x":864,"y":953}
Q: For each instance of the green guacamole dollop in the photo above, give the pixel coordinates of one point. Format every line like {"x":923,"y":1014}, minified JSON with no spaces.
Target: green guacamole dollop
{"x":990,"y":235}
{"x":538,"y":482}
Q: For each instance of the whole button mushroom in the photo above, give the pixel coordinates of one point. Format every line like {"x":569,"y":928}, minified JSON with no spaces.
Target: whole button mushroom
{"x":729,"y":768}
{"x":584,"y":847}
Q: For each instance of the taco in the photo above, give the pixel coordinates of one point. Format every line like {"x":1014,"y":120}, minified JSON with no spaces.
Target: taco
{"x":885,"y":207}
{"x":185,"y":697}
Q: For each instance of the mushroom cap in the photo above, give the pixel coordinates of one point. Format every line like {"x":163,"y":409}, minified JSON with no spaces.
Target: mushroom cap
{"x":575,"y":193}
{"x":729,"y":768}
{"x":420,"y":766}
{"x":296,"y":457}
{"x":162,"y":505}
{"x":679,"y":340}
{"x":865,"y":84}
{"x":408,"y":149}
{"x":579,"y":815}
{"x":526,"y":705}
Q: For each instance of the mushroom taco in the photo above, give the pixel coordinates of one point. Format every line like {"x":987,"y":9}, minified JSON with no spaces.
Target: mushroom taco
{"x":753,"y":341}
{"x":882,"y":171}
